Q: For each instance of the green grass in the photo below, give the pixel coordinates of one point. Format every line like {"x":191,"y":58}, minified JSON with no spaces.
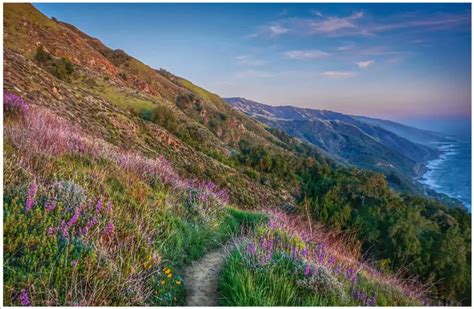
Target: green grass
{"x":153,"y":230}
{"x":122,"y":99}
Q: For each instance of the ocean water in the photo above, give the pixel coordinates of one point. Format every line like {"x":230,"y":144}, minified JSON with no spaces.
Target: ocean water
{"x":450,"y":173}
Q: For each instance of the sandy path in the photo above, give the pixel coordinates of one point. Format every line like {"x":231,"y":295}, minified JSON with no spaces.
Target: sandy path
{"x":202,"y":276}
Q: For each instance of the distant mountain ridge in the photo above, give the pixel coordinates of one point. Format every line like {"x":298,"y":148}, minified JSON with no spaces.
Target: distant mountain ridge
{"x":384,"y":146}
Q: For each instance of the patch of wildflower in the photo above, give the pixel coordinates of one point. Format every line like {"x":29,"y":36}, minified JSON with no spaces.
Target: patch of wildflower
{"x":108,"y":230}
{"x":14,"y":103}
{"x":24,"y":298}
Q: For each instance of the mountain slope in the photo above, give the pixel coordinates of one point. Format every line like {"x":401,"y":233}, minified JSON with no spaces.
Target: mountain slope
{"x":118,"y":175}
{"x":346,"y":138}
{"x":410,"y":133}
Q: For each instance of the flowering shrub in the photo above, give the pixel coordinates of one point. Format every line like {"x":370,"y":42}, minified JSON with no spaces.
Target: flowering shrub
{"x":69,"y":193}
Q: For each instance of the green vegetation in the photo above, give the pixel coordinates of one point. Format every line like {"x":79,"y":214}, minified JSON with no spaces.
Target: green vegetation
{"x":277,"y":267}
{"x":61,"y":68}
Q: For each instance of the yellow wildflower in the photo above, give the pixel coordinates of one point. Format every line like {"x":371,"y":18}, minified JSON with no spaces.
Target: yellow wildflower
{"x":170,"y":275}
{"x":162,"y":282}
{"x":178,"y":282}
{"x":167,"y":271}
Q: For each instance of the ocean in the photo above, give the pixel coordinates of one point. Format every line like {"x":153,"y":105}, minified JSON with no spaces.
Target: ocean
{"x":450,"y":173}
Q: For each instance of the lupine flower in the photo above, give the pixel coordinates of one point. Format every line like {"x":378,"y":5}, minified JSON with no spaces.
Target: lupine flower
{"x":24,"y":298}
{"x":14,"y":103}
{"x":304,"y":252}
{"x":251,"y":249}
{"x":371,"y":301}
{"x":307,"y":270}
{"x":109,"y":228}
{"x":109,"y":206}
{"x":99,"y":205}
{"x":30,"y":196}
{"x":64,"y":229}
{"x":332,"y":260}
{"x":85,"y":229}
{"x":74,"y":218}
{"x":50,"y":205}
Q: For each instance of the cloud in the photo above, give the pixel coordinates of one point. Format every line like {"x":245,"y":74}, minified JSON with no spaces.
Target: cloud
{"x":334,"y":25}
{"x":365,"y":64}
{"x":358,"y":24}
{"x":251,"y":61}
{"x":338,"y":74}
{"x":306,"y":54}
{"x":270,"y":31}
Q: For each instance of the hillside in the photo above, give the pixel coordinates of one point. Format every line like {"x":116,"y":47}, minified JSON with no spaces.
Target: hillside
{"x":349,"y":140}
{"x":118,"y":176}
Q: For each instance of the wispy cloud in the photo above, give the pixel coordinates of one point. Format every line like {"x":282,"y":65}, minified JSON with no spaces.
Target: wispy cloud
{"x":251,"y":61}
{"x":365,"y":64}
{"x":338,"y":74}
{"x":358,"y":24}
{"x":306,"y":54}
{"x":335,"y":25}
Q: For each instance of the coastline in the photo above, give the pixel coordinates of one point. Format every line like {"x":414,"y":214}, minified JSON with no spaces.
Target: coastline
{"x":430,"y":179}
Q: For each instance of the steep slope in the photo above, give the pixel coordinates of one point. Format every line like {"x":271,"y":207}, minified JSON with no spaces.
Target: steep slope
{"x":106,"y":86}
{"x":117,"y":176}
{"x":346,"y":138}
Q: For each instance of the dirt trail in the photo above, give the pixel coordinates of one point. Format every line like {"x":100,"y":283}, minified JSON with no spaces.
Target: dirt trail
{"x":202,"y":276}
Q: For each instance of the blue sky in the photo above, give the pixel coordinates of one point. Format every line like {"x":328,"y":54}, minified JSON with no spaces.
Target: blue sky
{"x":405,"y":62}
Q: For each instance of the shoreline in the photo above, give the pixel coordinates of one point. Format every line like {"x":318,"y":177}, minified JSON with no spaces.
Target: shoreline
{"x":429,"y":181}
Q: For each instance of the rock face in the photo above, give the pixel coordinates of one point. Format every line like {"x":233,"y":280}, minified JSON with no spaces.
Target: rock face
{"x":347,"y":138}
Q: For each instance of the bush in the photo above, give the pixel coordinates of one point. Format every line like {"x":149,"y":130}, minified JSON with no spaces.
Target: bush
{"x":61,"y":68}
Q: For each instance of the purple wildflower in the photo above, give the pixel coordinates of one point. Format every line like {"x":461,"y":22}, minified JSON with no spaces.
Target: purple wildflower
{"x":73,"y":263}
{"x":109,"y":228}
{"x":24,"y":299}
{"x":305,"y":252}
{"x":74,"y":218}
{"x":14,"y":103}
{"x":64,"y":229}
{"x":371,"y":301}
{"x":30,"y":196}
{"x":50,"y":205}
{"x":85,"y":229}
{"x":251,"y":249}
{"x":109,"y":206}
{"x":307,"y":270}
{"x":99,"y":205}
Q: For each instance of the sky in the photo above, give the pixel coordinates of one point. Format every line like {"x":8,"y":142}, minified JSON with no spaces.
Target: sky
{"x":404,"y":62}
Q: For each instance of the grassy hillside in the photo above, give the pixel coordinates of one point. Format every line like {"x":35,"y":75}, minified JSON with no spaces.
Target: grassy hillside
{"x":117,"y":176}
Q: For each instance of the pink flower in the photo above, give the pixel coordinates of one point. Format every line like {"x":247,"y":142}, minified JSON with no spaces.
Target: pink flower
{"x":109,"y":228}
{"x":50,"y":205}
{"x":109,"y":207}
{"x":74,"y":218}
{"x":24,"y":298}
{"x":30,"y":196}
{"x":99,"y":205}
